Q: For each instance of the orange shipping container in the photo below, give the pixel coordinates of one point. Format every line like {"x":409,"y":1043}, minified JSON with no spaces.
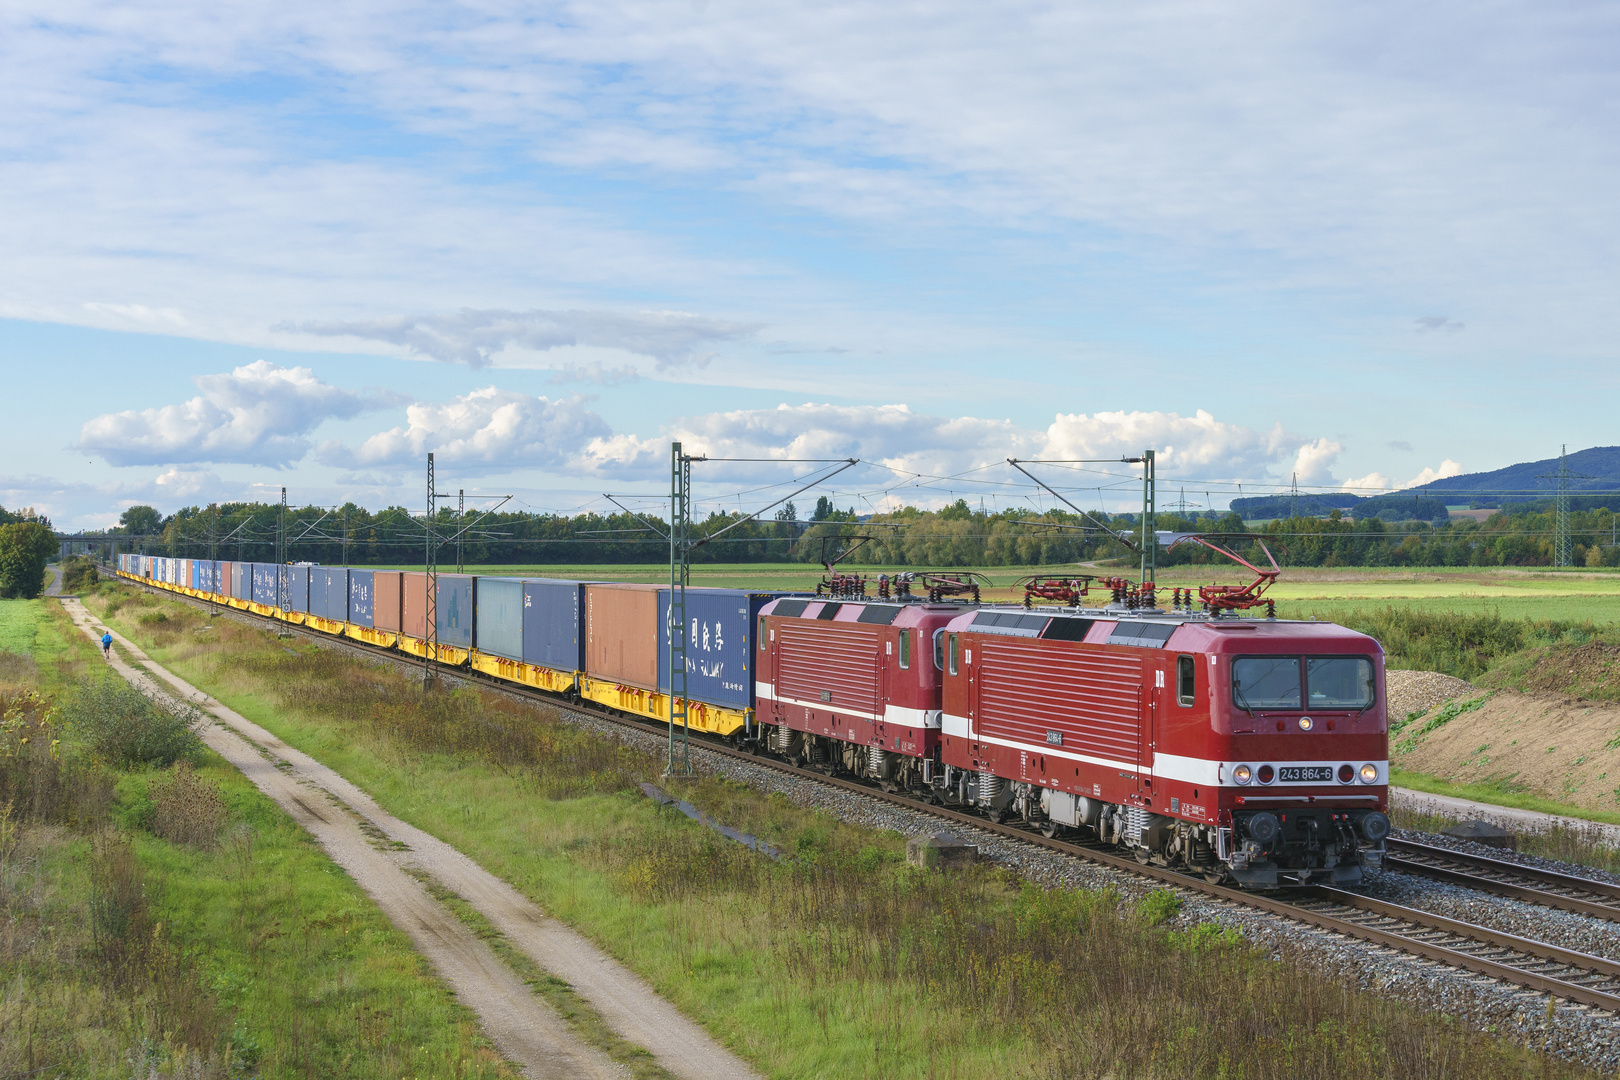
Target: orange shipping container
{"x":413,"y":616}
{"x":621,"y":634}
{"x":387,"y":599}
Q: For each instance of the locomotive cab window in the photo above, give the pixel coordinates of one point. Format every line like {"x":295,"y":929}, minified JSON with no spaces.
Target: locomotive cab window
{"x":1265,"y":682}
{"x":951,"y":646}
{"x":1186,"y":681}
{"x":905,"y":650}
{"x":939,"y":650}
{"x":1338,"y":682}
{"x":764,"y":638}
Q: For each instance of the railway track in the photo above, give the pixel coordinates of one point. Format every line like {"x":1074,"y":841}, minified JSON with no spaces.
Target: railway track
{"x":1549,"y":888}
{"x":1591,"y":981}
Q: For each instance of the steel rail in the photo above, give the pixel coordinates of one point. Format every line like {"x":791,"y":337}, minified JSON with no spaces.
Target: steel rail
{"x":1532,"y":884}
{"x":1581,"y":978}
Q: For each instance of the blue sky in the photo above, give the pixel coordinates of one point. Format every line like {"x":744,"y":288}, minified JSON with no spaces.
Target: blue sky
{"x":259,"y":244}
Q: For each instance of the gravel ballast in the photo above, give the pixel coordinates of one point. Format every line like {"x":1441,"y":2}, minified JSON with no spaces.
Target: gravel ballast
{"x":1419,"y":691}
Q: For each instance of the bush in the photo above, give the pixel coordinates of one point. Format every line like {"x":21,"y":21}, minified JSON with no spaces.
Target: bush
{"x":24,"y":548}
{"x":79,"y":574}
{"x":129,"y":729}
{"x":1465,"y":645}
{"x":37,"y":780}
{"x":187,"y":809}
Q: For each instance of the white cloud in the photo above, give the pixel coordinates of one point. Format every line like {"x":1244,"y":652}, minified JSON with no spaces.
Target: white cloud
{"x":1309,"y":134}
{"x":140,"y":316}
{"x":907,"y":442}
{"x":502,"y":429}
{"x":671,"y":338}
{"x":1431,"y":474}
{"x":887,"y":435}
{"x":1199,"y":442}
{"x":260,"y":413}
{"x":180,"y":485}
{"x":1375,"y":482}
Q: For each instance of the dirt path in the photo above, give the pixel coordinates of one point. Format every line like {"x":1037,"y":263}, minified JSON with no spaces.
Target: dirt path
{"x":341,"y":816}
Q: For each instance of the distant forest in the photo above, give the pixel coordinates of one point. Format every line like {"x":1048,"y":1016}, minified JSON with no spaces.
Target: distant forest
{"x":954,"y":536}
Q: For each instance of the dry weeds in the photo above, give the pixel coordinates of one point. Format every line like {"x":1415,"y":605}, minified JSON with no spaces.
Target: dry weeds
{"x":186,"y":809}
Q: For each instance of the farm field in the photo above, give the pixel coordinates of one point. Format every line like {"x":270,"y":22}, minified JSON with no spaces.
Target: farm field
{"x":1512,"y":592}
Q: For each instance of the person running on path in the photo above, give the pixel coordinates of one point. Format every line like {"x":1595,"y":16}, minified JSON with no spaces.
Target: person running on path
{"x":106,"y":644}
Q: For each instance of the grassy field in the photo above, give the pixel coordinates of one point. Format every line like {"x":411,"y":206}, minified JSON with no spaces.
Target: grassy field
{"x":841,"y":961}
{"x":241,"y":951}
{"x":1513,"y":593}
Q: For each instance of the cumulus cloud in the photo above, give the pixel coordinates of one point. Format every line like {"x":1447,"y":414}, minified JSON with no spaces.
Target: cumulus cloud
{"x":1374,"y":482}
{"x":890,"y":435}
{"x":671,"y":338}
{"x":1198,"y":442}
{"x":499,"y":428}
{"x":260,"y":413}
{"x":908,"y":442}
{"x":181,"y":484}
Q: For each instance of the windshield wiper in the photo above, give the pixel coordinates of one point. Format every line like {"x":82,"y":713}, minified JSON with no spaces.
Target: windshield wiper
{"x":1243,"y":699}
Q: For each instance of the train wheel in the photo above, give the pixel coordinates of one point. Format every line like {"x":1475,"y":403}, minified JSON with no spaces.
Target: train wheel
{"x":1049,"y":828}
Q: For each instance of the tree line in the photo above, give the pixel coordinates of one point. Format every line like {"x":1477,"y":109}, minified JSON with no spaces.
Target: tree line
{"x":955,"y":535}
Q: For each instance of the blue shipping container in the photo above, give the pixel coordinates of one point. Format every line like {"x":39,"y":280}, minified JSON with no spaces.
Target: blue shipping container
{"x":500,"y":617}
{"x":554,"y":624}
{"x":360,"y":597}
{"x":298,"y":588}
{"x":719,"y":644}
{"x":329,"y":593}
{"x":453,"y":610}
{"x":264,"y":584}
{"x":241,"y":579}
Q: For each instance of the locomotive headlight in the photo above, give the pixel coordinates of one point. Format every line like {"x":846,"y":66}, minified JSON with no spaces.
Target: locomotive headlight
{"x":1369,"y":774}
{"x":1241,"y":774}
{"x":1305,"y":723}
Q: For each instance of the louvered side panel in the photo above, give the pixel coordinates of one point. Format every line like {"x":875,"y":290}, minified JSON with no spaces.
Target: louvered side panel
{"x":1028,"y":688}
{"x":841,"y":658}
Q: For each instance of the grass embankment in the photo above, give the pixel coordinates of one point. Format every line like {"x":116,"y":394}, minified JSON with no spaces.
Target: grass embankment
{"x":161,"y":920}
{"x":842,"y":961}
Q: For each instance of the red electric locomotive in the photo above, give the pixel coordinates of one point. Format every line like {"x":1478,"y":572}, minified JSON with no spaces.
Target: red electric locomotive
{"x":1246,"y":749}
{"x":852,"y":686}
{"x":1250,"y":749}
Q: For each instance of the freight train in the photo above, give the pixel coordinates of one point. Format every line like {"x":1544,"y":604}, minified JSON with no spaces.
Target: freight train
{"x":1248,"y":750}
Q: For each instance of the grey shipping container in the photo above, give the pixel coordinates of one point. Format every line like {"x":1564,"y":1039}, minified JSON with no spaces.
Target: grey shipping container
{"x":499,"y":617}
{"x":298,"y":588}
{"x":241,"y":579}
{"x":453,"y":609}
{"x":719,"y":644}
{"x":553,"y":624}
{"x":360,"y":597}
{"x":264,"y":584}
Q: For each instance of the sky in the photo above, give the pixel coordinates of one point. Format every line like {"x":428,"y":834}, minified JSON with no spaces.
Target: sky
{"x":264,"y":245}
